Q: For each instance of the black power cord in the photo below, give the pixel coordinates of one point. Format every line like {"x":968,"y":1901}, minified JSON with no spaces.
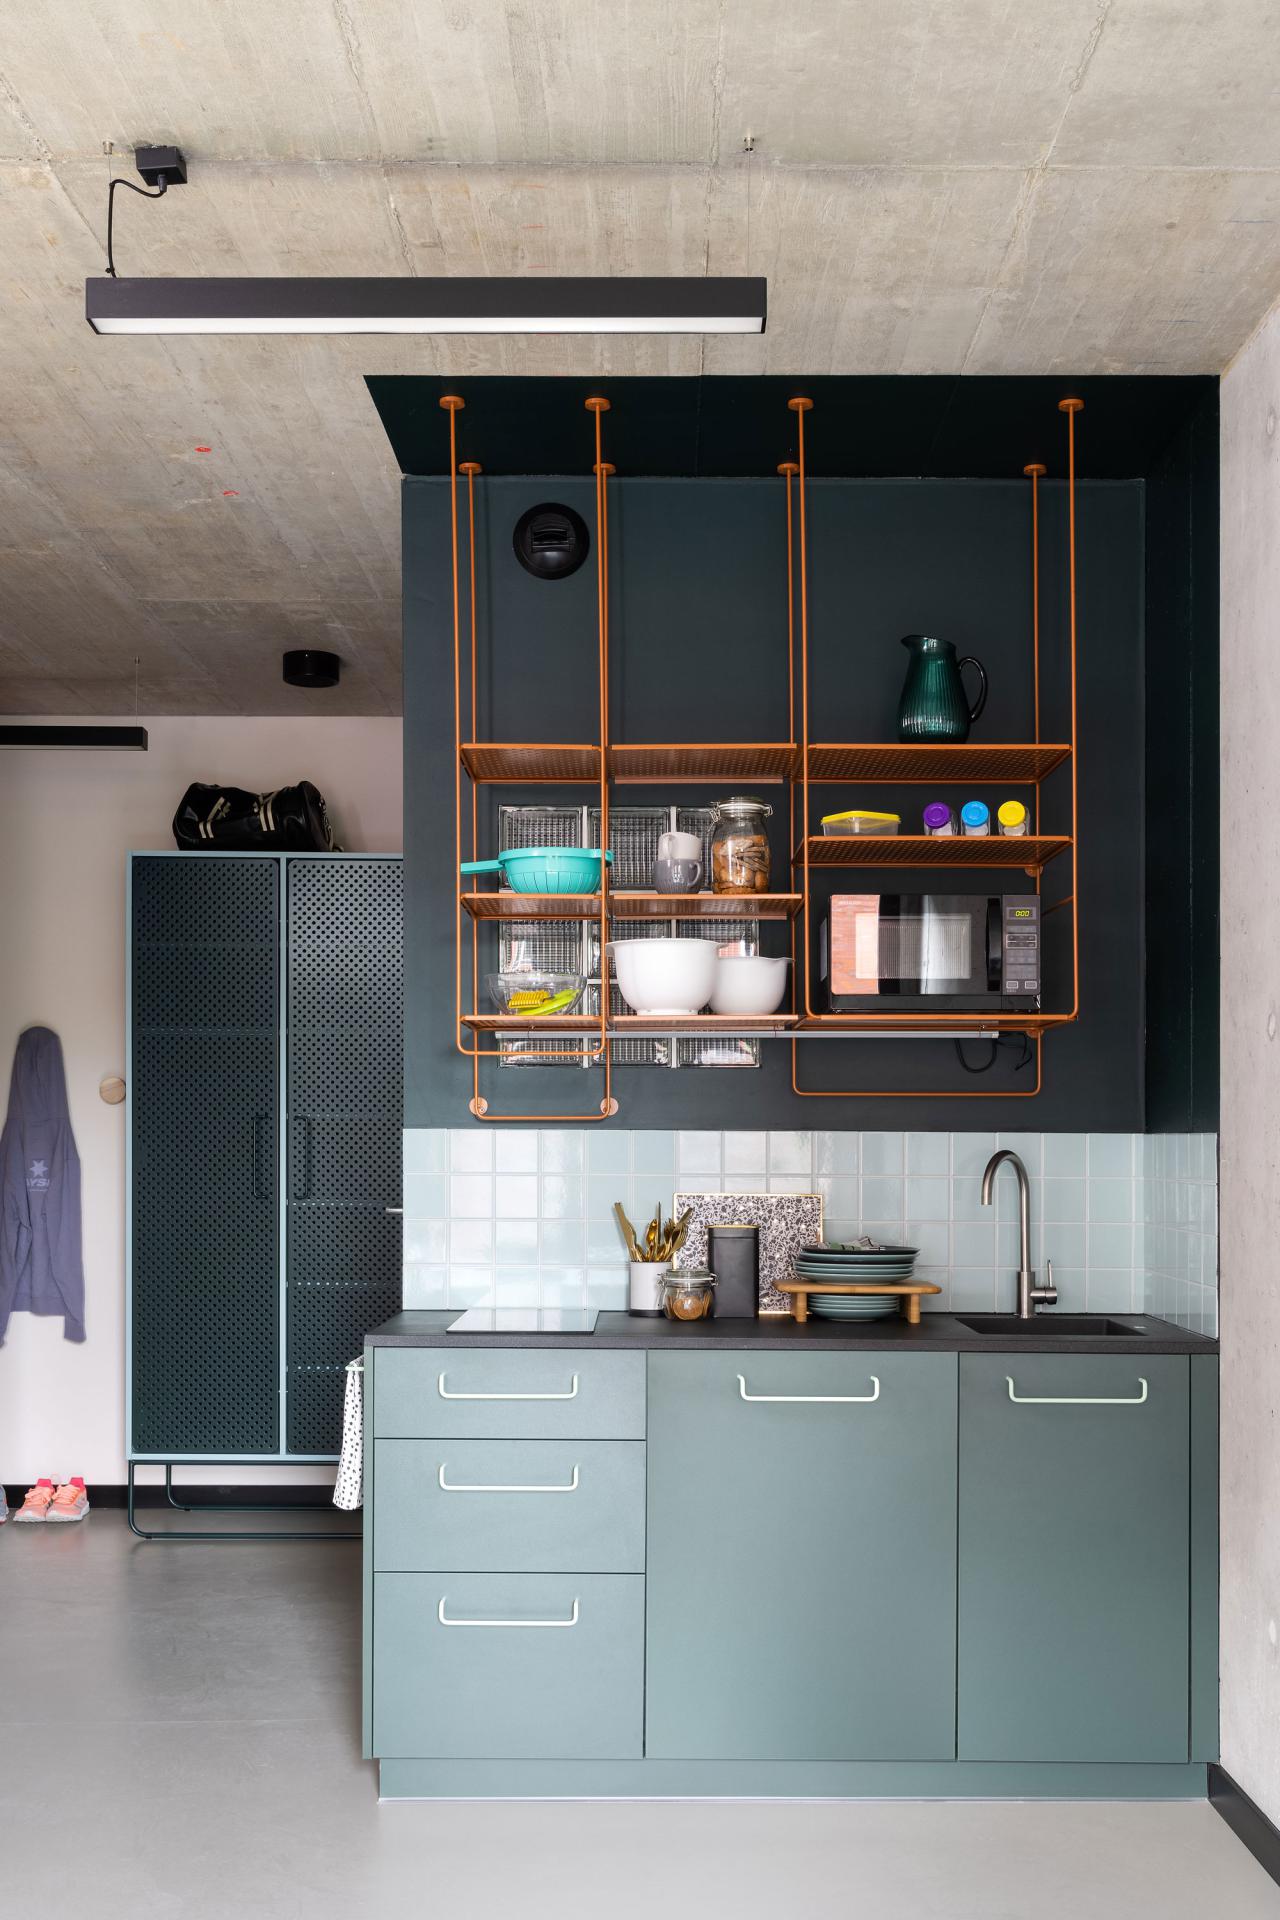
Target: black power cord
{"x":995,"y":1045}
{"x":162,"y":187}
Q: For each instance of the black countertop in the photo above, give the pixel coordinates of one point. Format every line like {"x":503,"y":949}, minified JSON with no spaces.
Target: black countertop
{"x":936,"y":1333}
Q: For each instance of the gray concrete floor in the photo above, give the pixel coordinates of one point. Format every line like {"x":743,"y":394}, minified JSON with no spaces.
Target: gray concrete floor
{"x":179,"y":1736}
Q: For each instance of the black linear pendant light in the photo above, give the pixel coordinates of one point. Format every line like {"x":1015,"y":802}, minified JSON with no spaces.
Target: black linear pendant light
{"x":575,"y":304}
{"x":76,"y":739}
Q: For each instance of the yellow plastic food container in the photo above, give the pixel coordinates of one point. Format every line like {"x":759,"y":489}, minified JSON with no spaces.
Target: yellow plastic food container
{"x":860,"y":822}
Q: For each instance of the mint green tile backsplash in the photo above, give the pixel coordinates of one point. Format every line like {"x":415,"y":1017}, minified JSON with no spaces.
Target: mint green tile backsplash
{"x":524,"y":1217}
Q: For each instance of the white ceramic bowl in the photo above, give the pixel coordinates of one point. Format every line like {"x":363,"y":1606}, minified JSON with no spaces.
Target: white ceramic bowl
{"x":664,"y":976}
{"x":749,"y":983}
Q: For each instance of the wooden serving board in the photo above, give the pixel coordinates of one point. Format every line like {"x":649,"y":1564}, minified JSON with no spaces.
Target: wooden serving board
{"x":910,"y":1291}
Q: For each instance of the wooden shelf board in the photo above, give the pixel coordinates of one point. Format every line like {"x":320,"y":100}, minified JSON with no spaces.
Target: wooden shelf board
{"x":1021,"y":765}
{"x":529,"y":762}
{"x":766,"y":762}
{"x":705,"y":906}
{"x":1029,"y":851}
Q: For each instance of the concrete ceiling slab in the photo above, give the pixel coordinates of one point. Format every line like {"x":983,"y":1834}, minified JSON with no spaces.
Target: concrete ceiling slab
{"x":938,"y":186}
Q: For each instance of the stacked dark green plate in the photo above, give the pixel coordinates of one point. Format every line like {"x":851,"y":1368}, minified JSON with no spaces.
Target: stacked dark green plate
{"x":836,"y":1263}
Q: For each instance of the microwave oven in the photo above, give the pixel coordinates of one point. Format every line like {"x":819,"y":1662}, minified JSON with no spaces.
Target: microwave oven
{"x":931,"y":951}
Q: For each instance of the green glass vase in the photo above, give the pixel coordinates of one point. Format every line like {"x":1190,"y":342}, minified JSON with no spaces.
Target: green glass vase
{"x":934,"y":706}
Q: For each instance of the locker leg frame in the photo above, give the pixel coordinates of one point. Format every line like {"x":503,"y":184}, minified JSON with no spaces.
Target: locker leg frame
{"x":216,"y":1506}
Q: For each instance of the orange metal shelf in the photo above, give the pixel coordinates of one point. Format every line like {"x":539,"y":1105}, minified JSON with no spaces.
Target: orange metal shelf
{"x":855,"y":1023}
{"x":491,"y":760}
{"x":632,"y":906}
{"x":532,"y":906}
{"x":1029,"y":851}
{"x":1020,"y":765}
{"x":766,"y":763}
{"x":705,"y":906}
{"x":630,"y":1026}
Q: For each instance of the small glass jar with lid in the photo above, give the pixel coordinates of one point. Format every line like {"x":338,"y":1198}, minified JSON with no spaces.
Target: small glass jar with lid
{"x":740,"y":846}
{"x":688,"y":1293}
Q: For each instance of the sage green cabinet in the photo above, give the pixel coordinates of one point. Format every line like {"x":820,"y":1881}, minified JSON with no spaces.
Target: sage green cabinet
{"x":508,"y":1666}
{"x":1074,"y":1582}
{"x":801,"y":1556}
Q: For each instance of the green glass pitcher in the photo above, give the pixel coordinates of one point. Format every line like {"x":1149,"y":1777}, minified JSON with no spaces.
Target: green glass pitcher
{"x":934,"y":705}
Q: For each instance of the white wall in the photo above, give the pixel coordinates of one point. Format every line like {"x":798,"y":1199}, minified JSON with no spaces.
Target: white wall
{"x":1250,"y":1175}
{"x":66,"y":823}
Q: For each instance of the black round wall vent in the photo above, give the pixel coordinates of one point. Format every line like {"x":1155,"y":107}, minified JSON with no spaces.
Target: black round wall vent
{"x":551,"y":541}
{"x":306,"y":667}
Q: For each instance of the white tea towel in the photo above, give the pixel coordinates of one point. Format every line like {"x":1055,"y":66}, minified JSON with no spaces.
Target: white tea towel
{"x":348,"y":1490}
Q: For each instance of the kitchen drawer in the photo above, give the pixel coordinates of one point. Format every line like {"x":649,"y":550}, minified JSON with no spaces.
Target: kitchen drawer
{"x":500,"y":1393}
{"x":509,"y":1506}
{"x":530,"y":1666}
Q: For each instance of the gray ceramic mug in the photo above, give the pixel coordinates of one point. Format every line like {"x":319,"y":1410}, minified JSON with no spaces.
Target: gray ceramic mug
{"x":677,"y":876}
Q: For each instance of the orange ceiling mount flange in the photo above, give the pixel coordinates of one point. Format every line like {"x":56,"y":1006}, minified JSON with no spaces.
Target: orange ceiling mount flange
{"x":1071,"y":406}
{"x":800,"y":404}
{"x":452,"y":402}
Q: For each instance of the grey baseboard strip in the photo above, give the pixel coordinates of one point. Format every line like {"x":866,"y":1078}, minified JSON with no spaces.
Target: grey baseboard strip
{"x":1247,"y":1821}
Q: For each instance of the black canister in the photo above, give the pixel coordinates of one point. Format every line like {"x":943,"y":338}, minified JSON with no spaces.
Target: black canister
{"x":733,"y":1255}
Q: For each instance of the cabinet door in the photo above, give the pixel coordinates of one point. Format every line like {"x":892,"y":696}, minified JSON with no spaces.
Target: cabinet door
{"x":204,"y":1261}
{"x":345,"y":1099}
{"x":801,"y":1556}
{"x":1074,"y":1557}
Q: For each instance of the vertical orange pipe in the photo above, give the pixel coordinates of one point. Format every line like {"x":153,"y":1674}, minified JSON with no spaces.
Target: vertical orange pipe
{"x":1071,"y":408}
{"x":800,"y":406}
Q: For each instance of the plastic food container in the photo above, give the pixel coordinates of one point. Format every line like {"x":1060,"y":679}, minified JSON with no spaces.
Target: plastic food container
{"x":837,"y":824}
{"x":689,"y":1295}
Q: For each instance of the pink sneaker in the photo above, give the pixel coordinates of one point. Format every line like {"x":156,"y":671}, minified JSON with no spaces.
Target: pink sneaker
{"x":70,"y":1502}
{"x":36,"y":1504}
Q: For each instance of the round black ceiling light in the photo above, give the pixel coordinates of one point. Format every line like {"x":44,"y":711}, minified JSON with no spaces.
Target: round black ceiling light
{"x":306,"y":667}
{"x":551,"y":541}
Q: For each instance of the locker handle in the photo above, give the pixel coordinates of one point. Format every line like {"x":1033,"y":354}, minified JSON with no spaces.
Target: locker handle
{"x":259,"y":1122}
{"x":303,"y":1192}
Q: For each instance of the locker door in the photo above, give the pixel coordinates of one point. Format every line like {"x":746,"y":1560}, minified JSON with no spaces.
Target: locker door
{"x":345,"y":1112}
{"x":203,"y":1080}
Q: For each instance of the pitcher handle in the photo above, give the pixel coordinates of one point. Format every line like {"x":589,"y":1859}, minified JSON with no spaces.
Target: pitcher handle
{"x":975,"y":711}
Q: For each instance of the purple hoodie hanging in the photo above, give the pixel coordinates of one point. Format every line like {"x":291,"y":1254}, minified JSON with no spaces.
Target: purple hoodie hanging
{"x":40,"y":1262}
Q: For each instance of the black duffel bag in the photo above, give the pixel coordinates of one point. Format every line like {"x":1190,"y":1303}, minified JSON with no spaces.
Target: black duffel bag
{"x":213,"y":819}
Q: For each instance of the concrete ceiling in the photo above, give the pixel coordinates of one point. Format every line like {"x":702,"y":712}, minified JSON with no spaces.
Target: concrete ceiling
{"x":938,"y":186}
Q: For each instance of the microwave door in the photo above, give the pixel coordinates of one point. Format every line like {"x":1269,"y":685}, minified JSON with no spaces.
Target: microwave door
{"x":946,"y":946}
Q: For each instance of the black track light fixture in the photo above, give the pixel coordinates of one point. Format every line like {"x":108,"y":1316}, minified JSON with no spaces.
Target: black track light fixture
{"x":161,"y":168}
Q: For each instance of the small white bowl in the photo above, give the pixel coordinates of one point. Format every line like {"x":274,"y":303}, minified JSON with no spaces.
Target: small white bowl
{"x":664,"y":976}
{"x":749,"y":983}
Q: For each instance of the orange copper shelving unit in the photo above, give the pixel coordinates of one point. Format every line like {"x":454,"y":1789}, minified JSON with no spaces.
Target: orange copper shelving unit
{"x":798,"y":763}
{"x":485,"y":761}
{"x":1018,"y":763}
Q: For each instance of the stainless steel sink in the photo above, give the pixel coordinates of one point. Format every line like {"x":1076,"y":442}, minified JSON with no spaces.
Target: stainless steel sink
{"x":1052,"y":1326}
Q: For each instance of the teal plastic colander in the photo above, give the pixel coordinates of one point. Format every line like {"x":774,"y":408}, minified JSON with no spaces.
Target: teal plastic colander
{"x":545,"y":869}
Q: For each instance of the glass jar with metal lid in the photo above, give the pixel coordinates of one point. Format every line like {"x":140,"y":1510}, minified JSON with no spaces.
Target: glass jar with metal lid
{"x":740,"y":845}
{"x":688,"y":1293}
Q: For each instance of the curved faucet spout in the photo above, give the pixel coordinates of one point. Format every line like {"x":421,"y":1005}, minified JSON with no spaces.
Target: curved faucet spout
{"x":1029,"y":1294}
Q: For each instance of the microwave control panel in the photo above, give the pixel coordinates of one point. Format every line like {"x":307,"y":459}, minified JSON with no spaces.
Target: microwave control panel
{"x":1020,"y":943}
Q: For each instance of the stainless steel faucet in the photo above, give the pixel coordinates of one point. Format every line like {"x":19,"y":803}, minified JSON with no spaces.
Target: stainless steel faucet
{"x":1030,"y":1296}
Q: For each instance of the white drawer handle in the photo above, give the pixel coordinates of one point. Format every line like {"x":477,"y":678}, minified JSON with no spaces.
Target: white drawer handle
{"x":445,"y":1621}
{"x":446,"y":1395}
{"x":458,"y":1486}
{"x":1076,"y":1400}
{"x":813,"y":1399}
